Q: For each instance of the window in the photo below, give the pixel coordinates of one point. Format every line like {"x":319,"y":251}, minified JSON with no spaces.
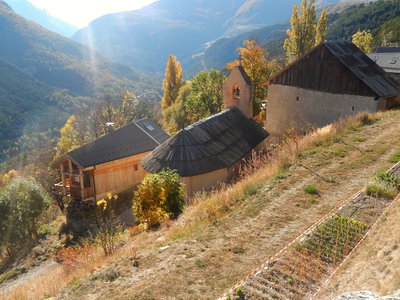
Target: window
{"x":297,"y":98}
{"x":353,"y":108}
{"x":236,"y":91}
{"x":75,"y":179}
{"x":148,"y":126}
{"x":86,"y":180}
{"x":135,"y":167}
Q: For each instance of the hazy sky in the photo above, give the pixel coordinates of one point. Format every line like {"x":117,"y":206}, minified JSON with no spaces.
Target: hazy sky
{"x":81,"y":12}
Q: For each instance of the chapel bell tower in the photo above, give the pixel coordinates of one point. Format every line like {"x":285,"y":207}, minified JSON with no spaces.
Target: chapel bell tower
{"x":239,"y":91}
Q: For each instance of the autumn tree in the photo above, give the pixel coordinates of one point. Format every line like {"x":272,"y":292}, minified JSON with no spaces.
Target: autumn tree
{"x":363,"y":40}
{"x":206,"y":95}
{"x":305,"y":32}
{"x":257,"y":67}
{"x":70,"y":138}
{"x":171,"y":83}
{"x":158,"y":197}
{"x":177,"y":116}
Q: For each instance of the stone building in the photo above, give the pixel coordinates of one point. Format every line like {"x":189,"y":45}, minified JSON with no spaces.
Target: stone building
{"x":388,"y":58}
{"x":209,"y":152}
{"x":332,"y":81}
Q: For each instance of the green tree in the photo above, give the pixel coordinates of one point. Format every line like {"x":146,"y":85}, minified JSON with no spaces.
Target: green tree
{"x":158,"y":197}
{"x":363,"y":40}
{"x":205,"y":97}
{"x":22,"y":204}
{"x":171,"y":83}
{"x":305,"y":33}
{"x":176,"y":116}
{"x":257,"y":67}
{"x":70,"y":138}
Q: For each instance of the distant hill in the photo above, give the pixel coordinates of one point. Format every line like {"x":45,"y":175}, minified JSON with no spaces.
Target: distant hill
{"x":62,"y":63}
{"x":144,"y":38}
{"x":27,"y":104}
{"x":31,"y":12}
{"x":44,"y":77}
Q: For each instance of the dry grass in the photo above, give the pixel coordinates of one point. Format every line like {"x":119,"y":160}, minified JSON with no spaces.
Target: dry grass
{"x":208,"y":209}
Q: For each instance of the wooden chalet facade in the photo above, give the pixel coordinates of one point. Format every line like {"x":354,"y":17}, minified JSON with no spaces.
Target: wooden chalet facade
{"x":334,"y":80}
{"x":109,"y":164}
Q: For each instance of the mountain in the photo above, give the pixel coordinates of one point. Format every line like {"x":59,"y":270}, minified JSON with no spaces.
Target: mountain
{"x":144,"y":38}
{"x":44,"y":77}
{"x":26,"y":104}
{"x":60,"y":62}
{"x":40,"y":16}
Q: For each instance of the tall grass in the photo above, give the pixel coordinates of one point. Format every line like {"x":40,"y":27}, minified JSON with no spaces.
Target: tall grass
{"x":208,"y":209}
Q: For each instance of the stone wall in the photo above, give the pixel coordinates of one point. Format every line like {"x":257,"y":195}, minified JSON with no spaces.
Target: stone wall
{"x":303,"y":109}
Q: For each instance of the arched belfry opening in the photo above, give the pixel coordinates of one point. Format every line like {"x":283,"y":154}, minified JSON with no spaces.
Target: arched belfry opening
{"x":239,"y":91}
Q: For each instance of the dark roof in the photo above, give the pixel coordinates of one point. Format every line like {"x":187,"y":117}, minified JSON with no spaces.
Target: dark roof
{"x":382,"y":49}
{"x":390,"y":62}
{"x":135,"y":138}
{"x":214,"y":143}
{"x":357,"y":62}
{"x":244,"y":74}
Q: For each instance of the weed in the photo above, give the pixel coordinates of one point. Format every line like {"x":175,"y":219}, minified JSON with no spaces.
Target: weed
{"x":395,"y":157}
{"x":201,"y":263}
{"x":390,"y":179}
{"x":312,"y":200}
{"x":359,"y":139}
{"x":289,"y":280}
{"x":75,"y":283}
{"x":311,"y":189}
{"x":239,"y":293}
{"x":238,"y":250}
{"x":250,"y":190}
{"x":381,"y":189}
{"x":108,"y":275}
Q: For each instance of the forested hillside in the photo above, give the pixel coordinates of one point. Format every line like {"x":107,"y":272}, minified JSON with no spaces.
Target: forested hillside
{"x":61,"y":62}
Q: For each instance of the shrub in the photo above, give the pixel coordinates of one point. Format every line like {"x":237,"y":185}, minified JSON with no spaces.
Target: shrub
{"x":158,"y":197}
{"x":395,"y":157}
{"x":238,"y":250}
{"x":311,"y":189}
{"x":22,"y":204}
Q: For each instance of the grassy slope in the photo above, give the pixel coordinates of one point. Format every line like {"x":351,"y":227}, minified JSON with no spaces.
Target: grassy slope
{"x":221,"y":238}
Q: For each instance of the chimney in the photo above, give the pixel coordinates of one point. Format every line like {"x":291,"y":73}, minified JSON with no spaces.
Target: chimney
{"x":110,"y":127}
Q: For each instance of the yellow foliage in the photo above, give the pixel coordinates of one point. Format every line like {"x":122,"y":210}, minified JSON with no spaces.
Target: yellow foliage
{"x":363,"y":40}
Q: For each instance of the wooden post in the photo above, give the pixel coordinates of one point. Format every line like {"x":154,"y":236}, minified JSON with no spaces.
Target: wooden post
{"x":82,"y":184}
{"x":63,"y":179}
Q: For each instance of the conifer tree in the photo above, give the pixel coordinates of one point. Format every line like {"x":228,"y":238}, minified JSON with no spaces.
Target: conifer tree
{"x":305,"y":32}
{"x":172,"y":83}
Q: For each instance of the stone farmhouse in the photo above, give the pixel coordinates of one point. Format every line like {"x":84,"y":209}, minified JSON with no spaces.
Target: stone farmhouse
{"x":332,"y":81}
{"x":210,"y":151}
{"x":109,"y":164}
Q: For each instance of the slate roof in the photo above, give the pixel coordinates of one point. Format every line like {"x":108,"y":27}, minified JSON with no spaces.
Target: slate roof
{"x":358,"y":63}
{"x":211,"y":144}
{"x":388,"y":61}
{"x":364,"y":68}
{"x":135,"y":138}
{"x":244,"y":74}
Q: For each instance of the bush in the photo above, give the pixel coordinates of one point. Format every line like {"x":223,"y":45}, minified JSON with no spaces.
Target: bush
{"x":158,"y":197}
{"x":311,"y":189}
{"x":22,"y":204}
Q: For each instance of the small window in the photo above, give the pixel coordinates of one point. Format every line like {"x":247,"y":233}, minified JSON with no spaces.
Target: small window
{"x":236,"y":91}
{"x":353,"y":108}
{"x":135,"y":167}
{"x":297,"y":98}
{"x":149,"y":127}
{"x":75,"y":179}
